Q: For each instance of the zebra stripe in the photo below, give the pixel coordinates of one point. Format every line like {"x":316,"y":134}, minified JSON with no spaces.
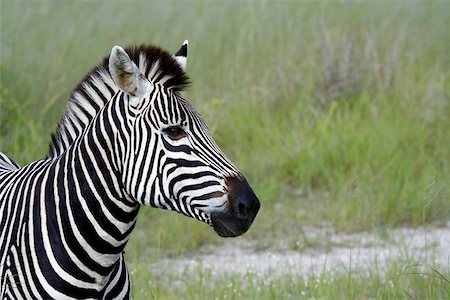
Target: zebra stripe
{"x":127,"y":138}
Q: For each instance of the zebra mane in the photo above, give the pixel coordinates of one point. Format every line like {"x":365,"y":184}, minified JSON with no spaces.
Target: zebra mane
{"x":97,"y":87}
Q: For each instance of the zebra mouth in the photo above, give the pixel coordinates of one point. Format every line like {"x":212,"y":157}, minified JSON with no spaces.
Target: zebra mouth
{"x":221,"y":229}
{"x":226,"y":225}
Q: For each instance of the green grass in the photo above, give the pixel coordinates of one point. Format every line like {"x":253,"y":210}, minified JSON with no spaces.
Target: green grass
{"x":336,"y":112}
{"x":400,"y":281}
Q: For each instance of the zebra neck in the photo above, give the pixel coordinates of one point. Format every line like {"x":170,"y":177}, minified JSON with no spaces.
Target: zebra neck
{"x":99,"y":213}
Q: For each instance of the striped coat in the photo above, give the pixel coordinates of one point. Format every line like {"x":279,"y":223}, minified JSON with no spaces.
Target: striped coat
{"x":128,"y":138}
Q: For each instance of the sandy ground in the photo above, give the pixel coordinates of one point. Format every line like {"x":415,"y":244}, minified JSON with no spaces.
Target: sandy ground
{"x":329,"y":252}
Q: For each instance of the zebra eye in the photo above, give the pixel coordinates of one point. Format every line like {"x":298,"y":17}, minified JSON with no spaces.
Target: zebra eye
{"x":175,"y":132}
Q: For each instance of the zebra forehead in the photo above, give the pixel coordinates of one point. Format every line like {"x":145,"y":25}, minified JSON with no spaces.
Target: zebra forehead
{"x":97,"y":87}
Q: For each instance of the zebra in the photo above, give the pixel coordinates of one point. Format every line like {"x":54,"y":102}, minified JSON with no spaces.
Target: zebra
{"x":128,"y":138}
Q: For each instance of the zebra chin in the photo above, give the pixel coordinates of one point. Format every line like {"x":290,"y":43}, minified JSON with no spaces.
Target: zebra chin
{"x":239,"y":214}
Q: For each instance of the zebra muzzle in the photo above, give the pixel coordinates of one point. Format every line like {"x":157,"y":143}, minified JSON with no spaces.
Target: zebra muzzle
{"x":242,"y":208}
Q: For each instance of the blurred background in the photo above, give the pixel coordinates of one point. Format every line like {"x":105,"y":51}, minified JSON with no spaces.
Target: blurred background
{"x":337,"y":113}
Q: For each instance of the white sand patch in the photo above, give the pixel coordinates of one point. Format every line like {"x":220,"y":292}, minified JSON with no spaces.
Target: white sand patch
{"x":428,"y":247}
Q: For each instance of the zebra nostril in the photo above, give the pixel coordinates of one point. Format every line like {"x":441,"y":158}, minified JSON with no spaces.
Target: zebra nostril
{"x":243,"y":210}
{"x":244,"y":202}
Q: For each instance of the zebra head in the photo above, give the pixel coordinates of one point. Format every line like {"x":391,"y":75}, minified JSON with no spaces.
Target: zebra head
{"x":168,"y":156}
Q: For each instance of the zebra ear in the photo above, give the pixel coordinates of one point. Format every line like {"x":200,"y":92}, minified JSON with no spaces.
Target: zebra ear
{"x":125,"y":73}
{"x":181,"y":55}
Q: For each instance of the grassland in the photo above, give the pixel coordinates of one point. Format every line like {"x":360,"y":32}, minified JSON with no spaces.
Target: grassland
{"x":337,"y":113}
{"x":398,"y":283}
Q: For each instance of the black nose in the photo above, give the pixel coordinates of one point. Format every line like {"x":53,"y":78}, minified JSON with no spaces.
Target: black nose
{"x":244,"y":202}
{"x":238,"y":216}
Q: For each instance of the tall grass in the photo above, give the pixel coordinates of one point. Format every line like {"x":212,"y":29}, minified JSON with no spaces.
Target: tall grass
{"x":336,"y":112}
